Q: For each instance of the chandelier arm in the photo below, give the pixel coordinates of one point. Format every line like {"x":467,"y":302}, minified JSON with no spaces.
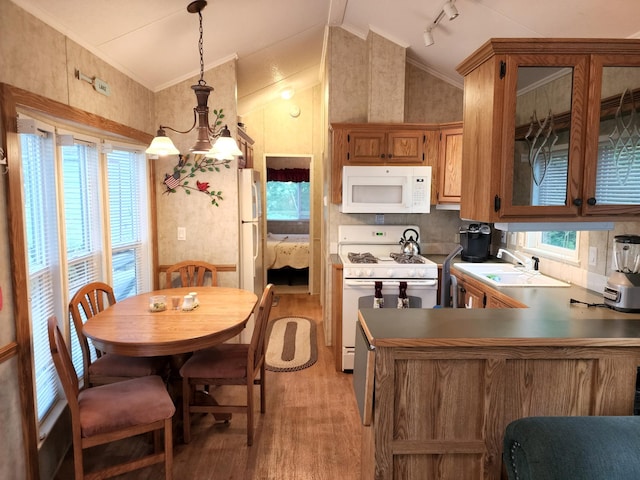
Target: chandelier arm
{"x":180,"y":131}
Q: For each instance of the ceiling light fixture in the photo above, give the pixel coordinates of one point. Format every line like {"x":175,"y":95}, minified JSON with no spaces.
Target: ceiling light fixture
{"x":448,"y":9}
{"x":428,"y":37}
{"x":224,"y":147}
{"x":287,"y":93}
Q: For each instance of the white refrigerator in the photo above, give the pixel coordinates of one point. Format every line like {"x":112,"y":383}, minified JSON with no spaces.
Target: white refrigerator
{"x":251,"y":256}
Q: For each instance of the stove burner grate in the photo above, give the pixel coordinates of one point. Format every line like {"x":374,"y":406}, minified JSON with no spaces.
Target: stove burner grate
{"x":361,"y":258}
{"x":404,"y":258}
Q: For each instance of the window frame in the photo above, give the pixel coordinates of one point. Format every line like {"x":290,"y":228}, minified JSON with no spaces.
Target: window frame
{"x":44,"y":422}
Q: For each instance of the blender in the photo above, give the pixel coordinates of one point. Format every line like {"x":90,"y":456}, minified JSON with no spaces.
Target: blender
{"x":622,"y":291}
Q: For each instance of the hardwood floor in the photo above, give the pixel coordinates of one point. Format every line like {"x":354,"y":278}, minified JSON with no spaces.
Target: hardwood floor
{"x":311,"y":429}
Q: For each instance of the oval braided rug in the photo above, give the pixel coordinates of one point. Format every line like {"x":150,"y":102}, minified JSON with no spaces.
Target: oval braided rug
{"x":292,"y":344}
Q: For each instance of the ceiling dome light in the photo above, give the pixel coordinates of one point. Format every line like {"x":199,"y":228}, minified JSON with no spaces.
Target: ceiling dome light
{"x":287,"y":93}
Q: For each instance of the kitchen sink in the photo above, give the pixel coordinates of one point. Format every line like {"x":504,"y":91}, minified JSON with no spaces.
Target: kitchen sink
{"x":509,"y":275}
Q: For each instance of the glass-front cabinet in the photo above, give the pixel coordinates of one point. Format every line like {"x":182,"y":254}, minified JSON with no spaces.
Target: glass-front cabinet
{"x":544,"y":114}
{"x":552,"y":130}
{"x":612,"y":183}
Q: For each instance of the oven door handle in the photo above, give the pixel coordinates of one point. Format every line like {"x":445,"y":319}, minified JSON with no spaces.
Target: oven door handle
{"x":390,"y":283}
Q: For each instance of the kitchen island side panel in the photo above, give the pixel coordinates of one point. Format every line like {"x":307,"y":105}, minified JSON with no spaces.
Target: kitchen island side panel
{"x":440,"y":413}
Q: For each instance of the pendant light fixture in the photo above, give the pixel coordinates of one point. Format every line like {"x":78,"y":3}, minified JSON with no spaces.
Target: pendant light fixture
{"x":225,"y":146}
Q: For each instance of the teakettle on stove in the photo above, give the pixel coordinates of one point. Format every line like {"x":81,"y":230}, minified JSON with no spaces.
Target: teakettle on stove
{"x":622,"y":291}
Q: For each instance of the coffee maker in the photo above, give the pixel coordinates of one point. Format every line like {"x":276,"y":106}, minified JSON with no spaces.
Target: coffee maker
{"x":622,"y":291}
{"x":475,"y":240}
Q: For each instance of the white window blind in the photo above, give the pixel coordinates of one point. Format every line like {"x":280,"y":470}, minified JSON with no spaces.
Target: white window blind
{"x":552,"y":187}
{"x":82,"y":214}
{"x":40,"y":216}
{"x":126,"y":206}
{"x":66,"y":249}
{"x":618,"y":175}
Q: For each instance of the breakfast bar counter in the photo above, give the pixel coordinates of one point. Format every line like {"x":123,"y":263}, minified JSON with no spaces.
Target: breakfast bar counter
{"x":446,"y":382}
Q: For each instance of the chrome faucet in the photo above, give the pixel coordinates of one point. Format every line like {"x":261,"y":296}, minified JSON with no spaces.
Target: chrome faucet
{"x":520,"y":259}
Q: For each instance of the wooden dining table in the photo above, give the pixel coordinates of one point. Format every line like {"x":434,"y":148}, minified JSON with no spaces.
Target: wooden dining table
{"x":129,"y":327}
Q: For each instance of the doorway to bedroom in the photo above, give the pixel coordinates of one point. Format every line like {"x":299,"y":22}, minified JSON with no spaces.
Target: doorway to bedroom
{"x":288,"y":215}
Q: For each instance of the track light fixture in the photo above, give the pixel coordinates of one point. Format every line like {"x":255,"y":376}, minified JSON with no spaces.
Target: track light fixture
{"x":450,"y":11}
{"x":428,"y":37}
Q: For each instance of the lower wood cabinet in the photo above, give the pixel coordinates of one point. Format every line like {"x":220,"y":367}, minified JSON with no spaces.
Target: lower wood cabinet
{"x":475,"y":294}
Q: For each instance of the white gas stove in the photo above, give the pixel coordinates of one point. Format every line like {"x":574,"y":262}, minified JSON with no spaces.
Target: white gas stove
{"x":371,"y":254}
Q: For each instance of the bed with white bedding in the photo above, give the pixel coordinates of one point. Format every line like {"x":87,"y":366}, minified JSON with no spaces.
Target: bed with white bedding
{"x":287,"y":250}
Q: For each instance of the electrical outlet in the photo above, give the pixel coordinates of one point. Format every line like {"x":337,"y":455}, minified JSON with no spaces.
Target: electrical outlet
{"x":182,"y":233}
{"x":503,"y":237}
{"x":593,"y":256}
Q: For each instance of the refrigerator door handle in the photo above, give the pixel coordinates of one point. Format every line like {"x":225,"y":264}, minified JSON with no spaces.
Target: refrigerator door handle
{"x":256,"y":240}
{"x":257,"y":201}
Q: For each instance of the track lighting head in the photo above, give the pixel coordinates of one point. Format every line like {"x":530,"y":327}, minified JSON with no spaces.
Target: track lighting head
{"x":450,"y":10}
{"x":428,"y":37}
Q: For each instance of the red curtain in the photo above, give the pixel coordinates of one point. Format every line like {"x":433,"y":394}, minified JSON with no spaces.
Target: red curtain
{"x":288,"y":175}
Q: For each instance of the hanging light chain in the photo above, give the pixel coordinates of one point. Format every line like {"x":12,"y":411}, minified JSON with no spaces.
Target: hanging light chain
{"x":201,"y":48}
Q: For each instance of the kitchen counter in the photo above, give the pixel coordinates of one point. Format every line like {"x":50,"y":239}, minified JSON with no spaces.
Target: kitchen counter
{"x":446,"y":382}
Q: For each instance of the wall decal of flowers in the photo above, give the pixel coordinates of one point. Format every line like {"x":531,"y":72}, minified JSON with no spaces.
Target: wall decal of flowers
{"x":184,"y":174}
{"x":185,"y":171}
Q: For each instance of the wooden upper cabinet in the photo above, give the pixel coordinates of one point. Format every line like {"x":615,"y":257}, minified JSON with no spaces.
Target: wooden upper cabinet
{"x":450,"y":165}
{"x":245,"y":144}
{"x":381,"y":144}
{"x":544,"y":137}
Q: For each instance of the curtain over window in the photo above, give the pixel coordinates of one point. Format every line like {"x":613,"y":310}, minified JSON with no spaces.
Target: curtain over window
{"x":288,"y":175}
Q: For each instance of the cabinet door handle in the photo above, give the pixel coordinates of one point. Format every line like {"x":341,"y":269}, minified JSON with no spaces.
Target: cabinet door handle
{"x":577,"y":202}
{"x":390,"y":155}
{"x":382,"y":155}
{"x":591,"y":200}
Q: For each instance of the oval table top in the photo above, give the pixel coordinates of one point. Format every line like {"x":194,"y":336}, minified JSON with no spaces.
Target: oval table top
{"x":130,"y":328}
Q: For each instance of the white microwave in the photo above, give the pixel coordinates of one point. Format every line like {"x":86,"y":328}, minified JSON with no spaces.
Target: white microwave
{"x":393,"y":189}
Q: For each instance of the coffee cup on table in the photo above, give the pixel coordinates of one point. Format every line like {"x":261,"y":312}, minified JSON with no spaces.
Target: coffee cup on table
{"x":187,"y":303}
{"x":195,"y":298}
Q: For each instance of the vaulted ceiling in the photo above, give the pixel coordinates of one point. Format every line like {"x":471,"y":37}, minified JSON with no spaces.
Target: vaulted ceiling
{"x":279,"y":43}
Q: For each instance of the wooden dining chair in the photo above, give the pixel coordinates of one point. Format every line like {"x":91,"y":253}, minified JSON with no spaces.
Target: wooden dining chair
{"x":107,"y":368}
{"x":229,"y":364}
{"x":113,"y":412}
{"x":191,"y":273}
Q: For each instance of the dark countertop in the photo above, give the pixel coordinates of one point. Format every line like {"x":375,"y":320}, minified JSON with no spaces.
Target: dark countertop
{"x":550,"y":320}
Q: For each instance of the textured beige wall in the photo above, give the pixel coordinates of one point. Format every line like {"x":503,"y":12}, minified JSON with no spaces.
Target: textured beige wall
{"x":212,"y":233}
{"x":386,"y":79}
{"x":347,"y":70}
{"x":37,"y":58}
{"x":429,"y":99}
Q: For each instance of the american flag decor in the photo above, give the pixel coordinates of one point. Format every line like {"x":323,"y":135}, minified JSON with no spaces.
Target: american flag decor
{"x":172,"y":181}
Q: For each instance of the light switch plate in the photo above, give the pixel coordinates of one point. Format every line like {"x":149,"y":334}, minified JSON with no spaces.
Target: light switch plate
{"x":593,"y":256}
{"x":182,"y":233}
